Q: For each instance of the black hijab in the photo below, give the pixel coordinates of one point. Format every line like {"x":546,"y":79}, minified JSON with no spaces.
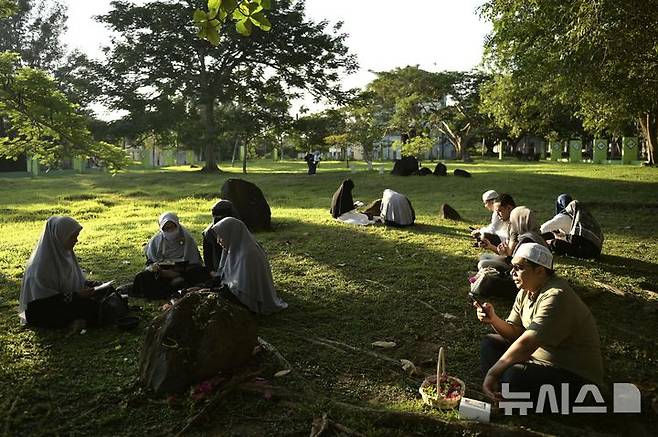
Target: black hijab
{"x":342,"y":200}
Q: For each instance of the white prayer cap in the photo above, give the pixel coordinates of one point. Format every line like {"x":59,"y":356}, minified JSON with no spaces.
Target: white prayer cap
{"x":536,"y":253}
{"x":489,"y":195}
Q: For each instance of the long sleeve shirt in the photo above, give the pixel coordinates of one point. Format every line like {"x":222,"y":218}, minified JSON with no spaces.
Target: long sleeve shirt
{"x":561,"y":223}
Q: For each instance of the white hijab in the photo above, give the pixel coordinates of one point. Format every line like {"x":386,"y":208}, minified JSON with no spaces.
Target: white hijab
{"x":178,"y":246}
{"x":245,"y":269}
{"x":52,"y":269}
{"x":395,"y":208}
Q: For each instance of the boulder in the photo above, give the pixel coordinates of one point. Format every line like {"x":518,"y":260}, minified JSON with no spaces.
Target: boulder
{"x":462,"y":173}
{"x":198,"y":337}
{"x":248,"y":199}
{"x":406,"y":166}
{"x":440,"y":169}
{"x":424,"y":171}
{"x":449,"y":213}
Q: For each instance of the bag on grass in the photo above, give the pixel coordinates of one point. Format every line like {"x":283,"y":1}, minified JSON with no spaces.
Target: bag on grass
{"x":490,"y":281}
{"x":112,"y":308}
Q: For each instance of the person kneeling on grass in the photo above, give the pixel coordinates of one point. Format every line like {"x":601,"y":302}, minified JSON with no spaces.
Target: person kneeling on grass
{"x":397,"y":209}
{"x":172,"y":261}
{"x":54,"y":292}
{"x":573,"y":231}
{"x":244,"y":268}
{"x":549,"y":337}
{"x":496,"y":231}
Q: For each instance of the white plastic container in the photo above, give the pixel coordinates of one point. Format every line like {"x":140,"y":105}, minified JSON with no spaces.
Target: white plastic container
{"x":471,"y":409}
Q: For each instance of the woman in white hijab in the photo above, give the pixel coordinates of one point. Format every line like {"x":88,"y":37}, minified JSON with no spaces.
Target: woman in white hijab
{"x":53,"y":291}
{"x":397,"y":209}
{"x":173,"y":261}
{"x":245,"y":269}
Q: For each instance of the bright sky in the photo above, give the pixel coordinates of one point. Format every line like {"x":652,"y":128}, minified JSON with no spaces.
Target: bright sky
{"x":434,"y":34}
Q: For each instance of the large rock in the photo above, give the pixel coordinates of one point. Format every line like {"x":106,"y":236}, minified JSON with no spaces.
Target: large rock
{"x":424,"y":171}
{"x":200,"y":336}
{"x":440,"y":169}
{"x":248,"y":199}
{"x":448,"y":212}
{"x":406,"y":166}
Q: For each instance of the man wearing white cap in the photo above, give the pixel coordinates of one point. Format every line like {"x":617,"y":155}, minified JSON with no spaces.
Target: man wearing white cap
{"x":550,"y":336}
{"x":496,"y":232}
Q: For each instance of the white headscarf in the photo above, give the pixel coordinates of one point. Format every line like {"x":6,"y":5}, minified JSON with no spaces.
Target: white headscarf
{"x":245,"y":268}
{"x":396,"y":208}
{"x":52,"y":269}
{"x":178,"y":246}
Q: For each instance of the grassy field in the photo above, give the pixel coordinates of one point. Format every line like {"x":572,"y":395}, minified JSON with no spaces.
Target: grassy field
{"x":343,"y":284}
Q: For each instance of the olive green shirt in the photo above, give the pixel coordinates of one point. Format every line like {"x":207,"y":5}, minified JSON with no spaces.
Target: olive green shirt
{"x":564,"y":326}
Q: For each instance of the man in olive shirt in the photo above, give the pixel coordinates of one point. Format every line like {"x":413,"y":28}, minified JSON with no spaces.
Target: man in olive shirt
{"x":550,"y":336}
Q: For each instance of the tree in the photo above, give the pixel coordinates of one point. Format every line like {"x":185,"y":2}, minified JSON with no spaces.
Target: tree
{"x":157,"y":54}
{"x":41,"y":121}
{"x":33,"y":31}
{"x":363,"y":124}
{"x":599,"y":56}
{"x":312,"y":129}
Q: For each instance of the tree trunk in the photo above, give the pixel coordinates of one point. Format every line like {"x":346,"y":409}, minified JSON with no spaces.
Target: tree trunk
{"x":208,"y":120}
{"x":235,"y":148}
{"x":244,"y":158}
{"x":649,"y":126}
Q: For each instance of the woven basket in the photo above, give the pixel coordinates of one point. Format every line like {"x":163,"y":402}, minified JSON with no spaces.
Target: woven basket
{"x":438,"y":400}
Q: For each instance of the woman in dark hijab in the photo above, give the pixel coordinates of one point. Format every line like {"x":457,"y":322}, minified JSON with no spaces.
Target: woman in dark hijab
{"x":342,"y":200}
{"x":212,"y":252}
{"x":562,"y":201}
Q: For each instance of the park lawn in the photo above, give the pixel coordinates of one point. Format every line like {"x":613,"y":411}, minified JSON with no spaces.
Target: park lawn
{"x":343,"y":284}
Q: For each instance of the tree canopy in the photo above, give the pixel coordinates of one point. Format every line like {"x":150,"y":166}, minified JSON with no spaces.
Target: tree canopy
{"x":157,"y":56}
{"x":593,"y":60}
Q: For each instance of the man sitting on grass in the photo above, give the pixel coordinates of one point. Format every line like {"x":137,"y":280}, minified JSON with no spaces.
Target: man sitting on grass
{"x":549,"y":337}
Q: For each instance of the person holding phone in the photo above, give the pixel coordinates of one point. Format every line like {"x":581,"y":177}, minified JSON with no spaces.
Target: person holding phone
{"x":173,"y":261}
{"x":549,"y":337}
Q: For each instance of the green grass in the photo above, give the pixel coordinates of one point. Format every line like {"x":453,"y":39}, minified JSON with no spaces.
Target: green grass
{"x":348,"y":284}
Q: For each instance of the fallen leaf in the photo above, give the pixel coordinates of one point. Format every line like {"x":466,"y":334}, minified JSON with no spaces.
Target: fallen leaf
{"x":384,"y":344}
{"x":341,"y":265}
{"x":448,"y":316}
{"x":125,"y":261}
{"x":408,"y":367}
{"x":281,"y":373}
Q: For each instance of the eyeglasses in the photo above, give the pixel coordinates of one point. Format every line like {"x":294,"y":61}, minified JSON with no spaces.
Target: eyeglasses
{"x":518,"y":267}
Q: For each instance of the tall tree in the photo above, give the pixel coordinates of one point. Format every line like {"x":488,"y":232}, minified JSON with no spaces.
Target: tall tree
{"x":600,"y":56}
{"x":156,"y":53}
{"x":38,"y":120}
{"x":34,"y":31}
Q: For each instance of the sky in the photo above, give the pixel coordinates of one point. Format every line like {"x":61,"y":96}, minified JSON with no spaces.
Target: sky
{"x":436,"y":35}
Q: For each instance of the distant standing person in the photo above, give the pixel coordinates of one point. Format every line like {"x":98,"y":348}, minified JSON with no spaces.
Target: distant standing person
{"x":311,"y":163}
{"x":54,"y":293}
{"x":173,"y":261}
{"x":573,"y":231}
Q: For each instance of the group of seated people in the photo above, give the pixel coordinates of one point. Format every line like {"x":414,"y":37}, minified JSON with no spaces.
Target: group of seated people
{"x":56,"y":294}
{"x":550,"y":335}
{"x":393,"y":208}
